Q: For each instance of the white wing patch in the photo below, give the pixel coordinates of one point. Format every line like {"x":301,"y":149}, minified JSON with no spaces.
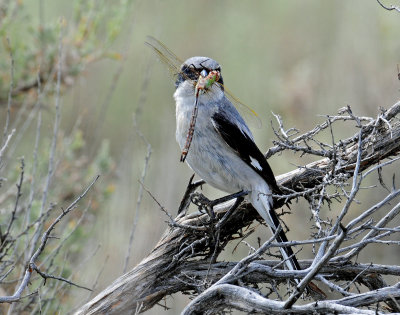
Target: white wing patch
{"x":255,"y":163}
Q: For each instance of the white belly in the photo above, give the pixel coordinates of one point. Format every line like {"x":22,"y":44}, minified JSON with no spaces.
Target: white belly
{"x":209,"y":156}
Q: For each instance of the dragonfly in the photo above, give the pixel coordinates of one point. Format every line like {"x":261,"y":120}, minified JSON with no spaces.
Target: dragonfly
{"x":201,"y":86}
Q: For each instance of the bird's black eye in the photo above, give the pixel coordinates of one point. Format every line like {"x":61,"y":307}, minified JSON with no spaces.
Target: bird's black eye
{"x":188,"y":72}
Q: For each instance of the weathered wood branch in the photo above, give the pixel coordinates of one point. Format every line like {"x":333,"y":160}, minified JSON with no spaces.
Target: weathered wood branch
{"x":164,"y":270}
{"x":223,"y":296}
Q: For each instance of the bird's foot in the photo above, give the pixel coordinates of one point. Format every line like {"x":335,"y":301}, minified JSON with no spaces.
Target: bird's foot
{"x":191,"y":187}
{"x":227,"y":198}
{"x":203,"y":203}
{"x":200,"y":200}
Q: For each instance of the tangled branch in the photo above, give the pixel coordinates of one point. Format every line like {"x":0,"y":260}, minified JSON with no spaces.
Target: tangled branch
{"x":32,"y":266}
{"x":185,"y":258}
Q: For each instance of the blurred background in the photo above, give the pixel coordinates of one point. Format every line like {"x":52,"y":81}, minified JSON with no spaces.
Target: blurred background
{"x":298,"y":59}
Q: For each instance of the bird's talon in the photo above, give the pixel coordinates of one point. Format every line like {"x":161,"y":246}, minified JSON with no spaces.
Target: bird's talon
{"x":199,"y":200}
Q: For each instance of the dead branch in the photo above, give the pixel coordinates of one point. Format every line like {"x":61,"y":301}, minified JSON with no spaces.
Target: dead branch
{"x":225,"y":295}
{"x":6,"y":141}
{"x":31,"y":265}
{"x":181,"y":259}
{"x":9,"y":101}
{"x":392,"y":7}
{"x":140,"y":192}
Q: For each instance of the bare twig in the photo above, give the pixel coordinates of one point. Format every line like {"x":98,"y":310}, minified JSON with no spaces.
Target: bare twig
{"x":177,"y":264}
{"x":315,"y":269}
{"x":9,"y":101}
{"x":249,"y":301}
{"x":5,"y":144}
{"x":373,"y":233}
{"x":53,"y":143}
{"x":19,"y":194}
{"x":140,"y":195}
{"x":392,"y":7}
{"x":45,"y":237}
{"x":96,"y":281}
{"x":34,"y":167}
{"x":241,"y":265}
{"x":46,"y":276}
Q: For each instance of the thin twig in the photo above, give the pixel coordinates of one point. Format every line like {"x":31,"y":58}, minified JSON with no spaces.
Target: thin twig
{"x":140,"y":194}
{"x":315,"y":269}
{"x":45,"y":237}
{"x":19,"y":194}
{"x":10,"y":91}
{"x":46,"y":276}
{"x":53,"y":142}
{"x":4,"y":146}
{"x":392,"y":7}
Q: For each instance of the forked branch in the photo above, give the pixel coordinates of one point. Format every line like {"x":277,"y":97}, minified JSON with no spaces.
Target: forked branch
{"x":182,"y":261}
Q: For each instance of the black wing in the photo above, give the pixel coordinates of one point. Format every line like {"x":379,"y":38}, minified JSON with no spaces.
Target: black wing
{"x":245,"y":147}
{"x":248,"y":151}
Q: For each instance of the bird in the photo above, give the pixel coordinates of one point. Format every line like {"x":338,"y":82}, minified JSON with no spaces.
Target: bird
{"x":221,"y":148}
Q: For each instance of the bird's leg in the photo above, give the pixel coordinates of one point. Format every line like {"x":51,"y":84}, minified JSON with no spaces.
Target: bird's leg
{"x":228,"y":197}
{"x":220,"y":223}
{"x":214,"y":229}
{"x":231,"y":210}
{"x":191,"y":187}
{"x":206,"y":204}
{"x":203,"y":203}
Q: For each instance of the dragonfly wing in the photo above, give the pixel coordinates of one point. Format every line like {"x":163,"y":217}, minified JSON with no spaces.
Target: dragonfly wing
{"x":246,"y":111}
{"x":249,"y":115}
{"x":174,"y":63}
{"x":164,"y":54}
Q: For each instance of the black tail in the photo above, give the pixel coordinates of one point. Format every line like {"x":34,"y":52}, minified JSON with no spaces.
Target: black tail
{"x":287,"y":252}
{"x":290,"y":259}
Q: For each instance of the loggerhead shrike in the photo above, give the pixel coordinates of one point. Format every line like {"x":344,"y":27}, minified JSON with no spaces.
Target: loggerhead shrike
{"x":222,"y":148}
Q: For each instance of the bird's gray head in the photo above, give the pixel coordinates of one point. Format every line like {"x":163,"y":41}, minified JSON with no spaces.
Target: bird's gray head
{"x":194,"y":66}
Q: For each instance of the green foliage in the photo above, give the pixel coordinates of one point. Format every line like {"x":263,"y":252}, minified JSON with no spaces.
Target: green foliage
{"x":87,"y":37}
{"x":34,"y":48}
{"x":103,"y":161}
{"x":73,"y":172}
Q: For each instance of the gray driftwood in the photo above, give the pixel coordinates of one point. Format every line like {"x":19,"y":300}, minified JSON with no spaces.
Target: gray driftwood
{"x":168,"y":269}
